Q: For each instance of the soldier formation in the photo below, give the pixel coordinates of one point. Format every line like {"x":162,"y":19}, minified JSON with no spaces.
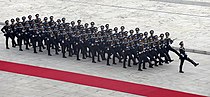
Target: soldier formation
{"x":90,"y":41}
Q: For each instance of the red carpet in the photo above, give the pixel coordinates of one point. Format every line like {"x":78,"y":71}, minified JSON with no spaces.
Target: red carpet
{"x":94,"y":81}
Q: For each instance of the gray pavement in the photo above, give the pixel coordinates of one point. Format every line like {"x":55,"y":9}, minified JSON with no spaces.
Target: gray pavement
{"x":186,"y":22}
{"x":16,"y":85}
{"x":184,"y":2}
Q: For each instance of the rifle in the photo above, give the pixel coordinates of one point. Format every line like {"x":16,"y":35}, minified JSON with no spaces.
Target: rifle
{"x":174,"y":39}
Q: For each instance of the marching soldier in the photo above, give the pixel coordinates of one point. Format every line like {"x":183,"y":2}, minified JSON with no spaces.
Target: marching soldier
{"x":30,"y":20}
{"x":122,"y":28}
{"x":23,"y":20}
{"x":132,"y":54}
{"x":70,"y":43}
{"x":49,"y":40}
{"x":126,"y":54}
{"x":92,"y":47}
{"x":13,"y":32}
{"x":63,"y":22}
{"x":27,"y":35}
{"x":141,"y":57}
{"x":114,"y":50}
{"x":34,"y":38}
{"x":73,"y":27}
{"x":7,"y":32}
{"x":131,"y":36}
{"x":103,"y":43}
{"x":160,"y":50}
{"x":97,"y":48}
{"x":137,"y":30}
{"x":37,"y":20}
{"x":89,"y":42}
{"x":19,"y":33}
{"x":55,"y":40}
{"x":58,"y":24}
{"x":92,"y":26}
{"x":64,"y":45}
{"x":108,"y":31}
{"x":84,"y":44}
{"x":51,"y":22}
{"x":41,"y":38}
{"x":119,"y":49}
{"x":162,"y":46}
{"x":153,"y":50}
{"x":78,"y":26}
{"x":45,"y":23}
{"x":102,"y":31}
{"x":169,"y":41}
{"x":137,"y":34}
{"x":77,"y":44}
{"x":184,"y":57}
{"x":147,"y":49}
{"x":109,"y":50}
{"x":115,"y":32}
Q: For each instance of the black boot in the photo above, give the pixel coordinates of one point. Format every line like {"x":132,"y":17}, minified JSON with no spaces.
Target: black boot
{"x":181,"y":71}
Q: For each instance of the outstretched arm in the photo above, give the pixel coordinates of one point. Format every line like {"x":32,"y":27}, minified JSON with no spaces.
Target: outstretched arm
{"x":3,"y":29}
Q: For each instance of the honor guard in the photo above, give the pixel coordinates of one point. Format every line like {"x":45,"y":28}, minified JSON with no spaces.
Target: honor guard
{"x":73,"y":27}
{"x":45,"y":23}
{"x":27,"y":35}
{"x":137,"y":48}
{"x":77,"y":44}
{"x":78,"y":26}
{"x":13,"y":32}
{"x":92,"y":26}
{"x":122,"y":28}
{"x":162,"y":45}
{"x":19,"y":33}
{"x":55,"y":40}
{"x":49,"y":40}
{"x":34,"y":37}
{"x":84,"y":44}
{"x":63,"y":22}
{"x":168,"y":42}
{"x":107,"y":28}
{"x":184,"y":57}
{"x":86,"y":26}
{"x":41,"y":38}
{"x":58,"y":24}
{"x":37,"y":20}
{"x":30,"y":20}
{"x":131,"y":36}
{"x":93,"y":46}
{"x":23,"y":20}
{"x":126,"y":53}
{"x":51,"y":22}
{"x":64,"y":45}
{"x":7,"y":32}
{"x":160,"y":51}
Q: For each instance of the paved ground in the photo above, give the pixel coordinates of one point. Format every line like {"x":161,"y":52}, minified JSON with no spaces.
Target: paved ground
{"x":15,"y":85}
{"x":186,"y":20}
{"x":194,"y":80}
